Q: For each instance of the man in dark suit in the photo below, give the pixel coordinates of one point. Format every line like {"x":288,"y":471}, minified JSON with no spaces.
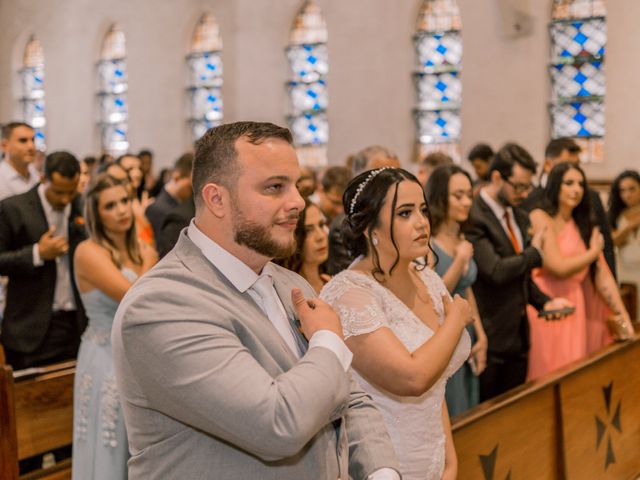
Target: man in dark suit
{"x":505,"y":255}
{"x":567,"y":150}
{"x":39,"y":231}
{"x":178,"y":218}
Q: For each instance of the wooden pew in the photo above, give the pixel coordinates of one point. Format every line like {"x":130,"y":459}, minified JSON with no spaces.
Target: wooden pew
{"x":36,"y":416}
{"x":582,"y":422}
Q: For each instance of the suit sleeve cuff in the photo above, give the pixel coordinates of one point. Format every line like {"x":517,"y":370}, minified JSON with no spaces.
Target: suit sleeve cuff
{"x":331,"y":341}
{"x":384,"y":474}
{"x":37,"y":261}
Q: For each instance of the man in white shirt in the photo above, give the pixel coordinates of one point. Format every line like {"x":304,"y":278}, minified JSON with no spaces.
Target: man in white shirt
{"x":215,"y":376}
{"x":17,"y":173}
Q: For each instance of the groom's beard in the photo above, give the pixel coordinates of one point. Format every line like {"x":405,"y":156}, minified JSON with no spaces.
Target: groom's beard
{"x":258,"y":237}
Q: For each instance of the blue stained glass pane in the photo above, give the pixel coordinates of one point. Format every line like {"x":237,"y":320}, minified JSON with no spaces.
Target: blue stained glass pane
{"x":114,"y":108}
{"x":309,"y":129}
{"x":308,"y":63}
{"x":438,"y":50}
{"x":438,"y":126}
{"x":578,"y":38}
{"x":307,"y":96}
{"x":113,"y":76}
{"x":578,"y":119}
{"x":576,"y":80}
{"x":206,"y":69}
{"x":114,"y":138}
{"x":438,"y":88}
{"x":206,"y":104}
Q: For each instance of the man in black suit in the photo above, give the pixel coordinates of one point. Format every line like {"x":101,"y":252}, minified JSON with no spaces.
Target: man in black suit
{"x":505,"y":255}
{"x":177,"y":219}
{"x":567,"y":150}
{"x":39,"y":231}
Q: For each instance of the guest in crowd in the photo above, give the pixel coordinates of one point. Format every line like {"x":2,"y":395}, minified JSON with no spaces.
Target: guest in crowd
{"x":144,"y":230}
{"x":480,"y":157}
{"x":178,"y":218}
{"x":312,"y":247}
{"x":406,"y":334}
{"x":85,"y":178}
{"x":174,"y":192}
{"x":133,"y":166}
{"x":369,"y":158}
{"x":307,"y":184}
{"x":106,"y":265}
{"x":430,"y":163}
{"x":92,"y":164}
{"x":39,"y":232}
{"x":567,"y":150}
{"x":149,"y":179}
{"x":449,"y":196}
{"x":573,"y":268}
{"x":163,"y":177}
{"x":214,"y":378}
{"x":105,"y":159}
{"x":17,"y":173}
{"x":329,"y":193}
{"x":505,"y":256}
{"x":624,"y":219}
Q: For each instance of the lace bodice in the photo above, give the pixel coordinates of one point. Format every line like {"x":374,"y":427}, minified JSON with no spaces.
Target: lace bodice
{"x":414,"y":423}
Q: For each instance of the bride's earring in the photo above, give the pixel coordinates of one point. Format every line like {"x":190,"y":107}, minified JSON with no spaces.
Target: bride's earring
{"x":374,"y":240}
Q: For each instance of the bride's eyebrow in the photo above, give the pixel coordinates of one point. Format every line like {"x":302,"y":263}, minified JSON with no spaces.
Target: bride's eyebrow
{"x":405,"y":205}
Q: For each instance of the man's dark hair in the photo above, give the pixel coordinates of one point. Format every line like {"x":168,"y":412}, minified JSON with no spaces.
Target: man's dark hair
{"x":184,"y":164}
{"x":556,"y":146}
{"x":508,"y":156}
{"x":215,"y":158}
{"x":336,"y":178}
{"x":481,"y":151}
{"x":90,"y":160}
{"x":145,"y":151}
{"x":8,"y":128}
{"x":63,"y":163}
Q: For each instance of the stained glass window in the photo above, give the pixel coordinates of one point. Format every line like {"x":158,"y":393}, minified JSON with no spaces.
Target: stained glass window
{"x":578,"y":40}
{"x":112,"y":93}
{"x":309,"y":64}
{"x":32,"y":76}
{"x":205,"y":77}
{"x":438,"y":46}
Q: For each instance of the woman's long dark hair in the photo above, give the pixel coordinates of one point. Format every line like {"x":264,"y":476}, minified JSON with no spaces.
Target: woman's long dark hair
{"x":582,"y":214}
{"x":366,"y":212}
{"x":437,"y":193}
{"x":616,"y":205}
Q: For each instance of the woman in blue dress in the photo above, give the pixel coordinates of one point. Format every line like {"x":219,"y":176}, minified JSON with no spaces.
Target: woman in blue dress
{"x":449,"y":195}
{"x":105,"y":265}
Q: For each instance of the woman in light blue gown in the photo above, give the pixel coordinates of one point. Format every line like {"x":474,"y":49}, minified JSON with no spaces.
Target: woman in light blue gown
{"x":105,"y":265}
{"x":449,"y":194}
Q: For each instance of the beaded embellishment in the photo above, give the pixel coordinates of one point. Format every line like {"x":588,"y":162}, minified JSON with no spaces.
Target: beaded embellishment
{"x":362,"y":186}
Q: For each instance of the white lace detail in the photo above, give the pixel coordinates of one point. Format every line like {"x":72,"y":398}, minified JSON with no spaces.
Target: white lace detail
{"x":414,"y":423}
{"x":99,"y":336}
{"x":82,"y":417}
{"x":109,"y":408}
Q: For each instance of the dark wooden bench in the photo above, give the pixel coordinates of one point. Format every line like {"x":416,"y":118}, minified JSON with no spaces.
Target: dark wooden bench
{"x":36,"y":417}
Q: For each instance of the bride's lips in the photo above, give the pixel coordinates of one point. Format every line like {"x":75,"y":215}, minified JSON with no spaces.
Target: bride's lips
{"x":422,"y":238}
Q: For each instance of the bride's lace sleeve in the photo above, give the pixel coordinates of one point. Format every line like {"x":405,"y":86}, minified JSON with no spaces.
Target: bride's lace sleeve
{"x":359,"y":311}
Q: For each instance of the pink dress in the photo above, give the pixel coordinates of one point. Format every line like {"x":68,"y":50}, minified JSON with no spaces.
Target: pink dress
{"x":556,"y":343}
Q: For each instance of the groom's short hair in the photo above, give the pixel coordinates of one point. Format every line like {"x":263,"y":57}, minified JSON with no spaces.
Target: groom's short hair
{"x":215,"y":158}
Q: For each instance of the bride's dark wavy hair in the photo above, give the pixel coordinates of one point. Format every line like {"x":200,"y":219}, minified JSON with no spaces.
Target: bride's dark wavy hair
{"x":366,"y":213}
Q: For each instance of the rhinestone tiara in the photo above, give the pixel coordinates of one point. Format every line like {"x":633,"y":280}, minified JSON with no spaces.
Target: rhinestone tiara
{"x":362,"y":186}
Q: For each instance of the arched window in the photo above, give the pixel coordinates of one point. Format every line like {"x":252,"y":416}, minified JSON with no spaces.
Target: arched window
{"x":205,"y":77}
{"x":578,"y":38}
{"x":309,"y":64}
{"x":112,"y":94}
{"x":438,"y":45}
{"x":32,"y":76}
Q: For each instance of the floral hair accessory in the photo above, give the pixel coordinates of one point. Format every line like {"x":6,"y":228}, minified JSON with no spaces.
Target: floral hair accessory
{"x":362,"y":186}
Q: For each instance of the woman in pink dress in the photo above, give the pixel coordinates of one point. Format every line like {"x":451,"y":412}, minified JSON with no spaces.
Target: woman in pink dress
{"x":573,"y":268}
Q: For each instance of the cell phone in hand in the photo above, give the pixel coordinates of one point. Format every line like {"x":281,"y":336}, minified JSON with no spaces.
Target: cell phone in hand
{"x":563,"y":312}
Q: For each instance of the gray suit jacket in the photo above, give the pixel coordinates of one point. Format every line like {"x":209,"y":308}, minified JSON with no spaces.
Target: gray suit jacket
{"x":209,"y":388}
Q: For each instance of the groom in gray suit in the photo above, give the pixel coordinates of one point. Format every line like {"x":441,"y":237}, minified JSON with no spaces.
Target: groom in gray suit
{"x":216,"y":379}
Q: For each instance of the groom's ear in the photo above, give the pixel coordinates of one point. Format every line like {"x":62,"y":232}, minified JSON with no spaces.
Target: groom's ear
{"x":216,"y":199}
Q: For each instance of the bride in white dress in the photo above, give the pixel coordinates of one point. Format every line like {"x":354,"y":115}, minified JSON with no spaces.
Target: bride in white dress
{"x":406,"y":333}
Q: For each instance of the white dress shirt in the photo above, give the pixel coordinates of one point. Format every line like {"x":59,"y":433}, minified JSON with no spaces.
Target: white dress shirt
{"x":499,"y":211}
{"x":63,"y":294}
{"x":243,"y":278}
{"x":12,"y":183}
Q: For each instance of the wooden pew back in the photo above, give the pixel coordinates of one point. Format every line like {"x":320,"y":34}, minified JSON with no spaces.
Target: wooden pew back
{"x":36,"y":416}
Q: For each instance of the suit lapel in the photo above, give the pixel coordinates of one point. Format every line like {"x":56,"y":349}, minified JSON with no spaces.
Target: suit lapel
{"x":252,"y":316}
{"x":495,"y":223}
{"x":284,"y":292}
